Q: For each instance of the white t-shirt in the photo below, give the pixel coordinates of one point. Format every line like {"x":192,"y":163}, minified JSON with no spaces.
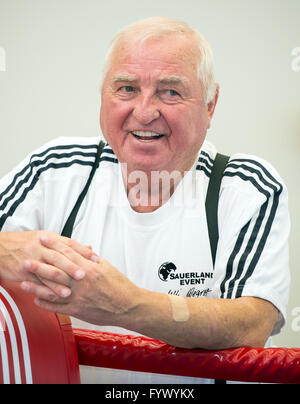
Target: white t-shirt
{"x":167,"y":250}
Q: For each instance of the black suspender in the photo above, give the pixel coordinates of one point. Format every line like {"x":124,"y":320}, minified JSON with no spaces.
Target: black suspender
{"x":68,"y":228}
{"x":211,"y":205}
{"x":212,"y":202}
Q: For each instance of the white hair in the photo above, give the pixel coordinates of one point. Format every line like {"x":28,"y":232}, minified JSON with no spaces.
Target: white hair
{"x":157,"y":27}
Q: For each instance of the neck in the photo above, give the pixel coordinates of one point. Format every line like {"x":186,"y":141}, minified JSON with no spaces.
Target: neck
{"x":149,"y":190}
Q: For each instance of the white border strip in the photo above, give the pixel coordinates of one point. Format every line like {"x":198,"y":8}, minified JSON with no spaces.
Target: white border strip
{"x":3,"y":348}
{"x":26,"y":354}
{"x":13,"y":341}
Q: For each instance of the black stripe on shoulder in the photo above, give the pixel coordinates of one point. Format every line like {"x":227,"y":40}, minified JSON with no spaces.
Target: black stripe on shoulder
{"x":261,"y":167}
{"x":109,"y":159}
{"x":205,"y":163}
{"x":37,"y":166}
{"x":204,"y":169}
{"x":203,"y":153}
{"x":111,"y":155}
{"x":33,"y":182}
{"x":250,"y":179}
{"x":32,"y":166}
{"x":258,"y":175}
{"x":108,"y":149}
{"x":34,"y":163}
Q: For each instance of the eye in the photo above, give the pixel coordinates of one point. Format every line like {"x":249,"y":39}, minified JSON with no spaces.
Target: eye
{"x":170,"y":96}
{"x":172,"y":93}
{"x":127,"y":89}
{"x":126,"y":92}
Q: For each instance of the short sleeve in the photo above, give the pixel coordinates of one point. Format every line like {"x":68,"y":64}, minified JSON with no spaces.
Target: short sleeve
{"x":253,"y":252}
{"x":41,"y":191}
{"x":21,"y":197}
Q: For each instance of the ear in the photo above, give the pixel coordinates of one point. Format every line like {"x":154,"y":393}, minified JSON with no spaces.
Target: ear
{"x":212,"y":105}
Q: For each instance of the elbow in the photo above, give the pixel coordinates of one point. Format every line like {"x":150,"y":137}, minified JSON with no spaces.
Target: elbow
{"x":254,"y":336}
{"x":253,"y":331}
{"x":254,"y":339}
{"x":246,"y":335}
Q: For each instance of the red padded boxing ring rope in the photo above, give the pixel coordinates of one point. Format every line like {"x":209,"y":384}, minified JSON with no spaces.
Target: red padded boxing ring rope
{"x":41,"y":347}
{"x":272,"y":365}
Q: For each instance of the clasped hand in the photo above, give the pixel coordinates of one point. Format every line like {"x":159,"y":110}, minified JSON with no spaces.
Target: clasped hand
{"x":69,"y":278}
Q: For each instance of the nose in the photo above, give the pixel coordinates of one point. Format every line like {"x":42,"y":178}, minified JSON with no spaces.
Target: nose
{"x":146,"y":109}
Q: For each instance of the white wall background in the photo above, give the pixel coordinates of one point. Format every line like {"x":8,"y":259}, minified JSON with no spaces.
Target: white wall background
{"x":51,"y":54}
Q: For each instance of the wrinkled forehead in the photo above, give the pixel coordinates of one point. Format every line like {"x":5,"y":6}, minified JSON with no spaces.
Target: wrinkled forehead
{"x":177,"y":49}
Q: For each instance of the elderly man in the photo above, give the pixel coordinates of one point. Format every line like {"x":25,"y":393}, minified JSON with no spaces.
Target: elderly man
{"x":145,"y":209}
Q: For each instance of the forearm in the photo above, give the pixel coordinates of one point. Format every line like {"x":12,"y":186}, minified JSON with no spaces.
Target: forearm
{"x":203,"y":323}
{"x":10,"y":257}
{"x":106,"y":297}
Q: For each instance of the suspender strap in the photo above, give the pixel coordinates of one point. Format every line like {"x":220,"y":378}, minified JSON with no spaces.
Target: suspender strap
{"x":68,"y":228}
{"x":211,"y":204}
{"x":212,"y":201}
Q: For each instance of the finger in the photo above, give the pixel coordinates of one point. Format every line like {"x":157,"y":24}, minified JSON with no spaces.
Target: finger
{"x":63,"y":258}
{"x":40,"y":291}
{"x":86,"y":251}
{"x":46,"y":275}
{"x":47,"y":272}
{"x":67,"y":245}
{"x":63,"y":255}
{"x":61,"y":291}
{"x":52,"y":306}
{"x":26,"y":275}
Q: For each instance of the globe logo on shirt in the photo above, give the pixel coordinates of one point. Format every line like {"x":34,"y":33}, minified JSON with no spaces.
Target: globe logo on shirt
{"x":165,"y":269}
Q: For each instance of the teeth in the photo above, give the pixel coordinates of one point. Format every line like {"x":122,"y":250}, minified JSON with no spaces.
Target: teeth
{"x":142,"y":133}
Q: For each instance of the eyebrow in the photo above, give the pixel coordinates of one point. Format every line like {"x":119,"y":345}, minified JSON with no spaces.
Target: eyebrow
{"x":122,"y":77}
{"x":172,"y":80}
{"x":167,"y":80}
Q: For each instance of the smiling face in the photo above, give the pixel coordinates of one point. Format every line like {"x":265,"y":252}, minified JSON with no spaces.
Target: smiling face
{"x":153,"y":112}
